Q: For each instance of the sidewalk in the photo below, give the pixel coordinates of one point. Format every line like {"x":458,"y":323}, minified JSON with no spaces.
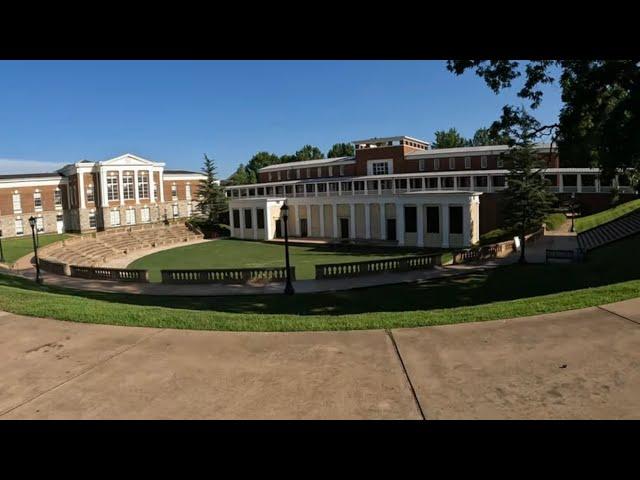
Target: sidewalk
{"x":579,"y":364}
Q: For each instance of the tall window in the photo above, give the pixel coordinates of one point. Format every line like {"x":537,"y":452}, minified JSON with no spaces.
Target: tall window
{"x":483,"y":161}
{"x":90,"y":194}
{"x":37,"y":201}
{"x":288,"y":174}
{"x":127,"y":186}
{"x":410,"y":220}
{"x":308,"y":173}
{"x":436,"y":164}
{"x":57,"y":197}
{"x":236,"y":218}
{"x":130,"y":216}
{"x":455,"y":220}
{"x":279,"y":175}
{"x":298,"y":174}
{"x":176,"y":212}
{"x":260,"y":219}
{"x":433,"y":220}
{"x":92,"y":220}
{"x":319,"y":172}
{"x":19,"y":227}
{"x":112,"y":187}
{"x":187,"y":191}
{"x":380,"y":168}
{"x":247,"y":218}
{"x":452,"y":163}
{"x":17,"y":205}
{"x":40,"y":224}
{"x":331,"y":171}
{"x":143,"y":185}
{"x":174,"y":192}
{"x":342,"y":170}
{"x":270,"y":176}
{"x":467,"y":162}
{"x":145,"y":215}
{"x":421,"y":165}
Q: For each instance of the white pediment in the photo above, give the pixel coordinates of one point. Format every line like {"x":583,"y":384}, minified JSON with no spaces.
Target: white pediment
{"x":129,"y":159}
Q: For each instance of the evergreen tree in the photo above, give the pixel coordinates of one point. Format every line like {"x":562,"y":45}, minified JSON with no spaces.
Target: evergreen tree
{"x":213,"y":202}
{"x":241,"y":176}
{"x":341,"y":150}
{"x":309,"y":152}
{"x":450,"y":139}
{"x":527,"y":197}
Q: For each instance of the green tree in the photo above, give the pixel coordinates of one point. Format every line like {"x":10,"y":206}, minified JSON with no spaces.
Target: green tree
{"x":213,"y":201}
{"x":308,"y":152}
{"x":449,"y":139}
{"x":259,"y":160}
{"x":599,"y":121}
{"x":483,"y":137}
{"x":288,"y":158}
{"x":341,"y":150}
{"x":241,"y":176}
{"x":527,"y":197}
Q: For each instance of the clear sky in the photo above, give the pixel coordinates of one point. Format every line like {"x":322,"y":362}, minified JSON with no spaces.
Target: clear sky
{"x":56,"y":112}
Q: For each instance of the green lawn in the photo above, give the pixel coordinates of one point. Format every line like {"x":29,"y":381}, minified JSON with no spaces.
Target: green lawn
{"x":230,"y":253}
{"x":17,"y":247}
{"x":591,"y":221}
{"x":610,"y":274}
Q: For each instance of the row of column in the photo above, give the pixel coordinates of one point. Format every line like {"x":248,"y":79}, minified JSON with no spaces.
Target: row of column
{"x":136,"y":193}
{"x":254,"y":222}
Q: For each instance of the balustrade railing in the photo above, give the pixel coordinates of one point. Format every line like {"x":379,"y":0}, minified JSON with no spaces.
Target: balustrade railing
{"x":371,"y":267}
{"x":227,"y":275}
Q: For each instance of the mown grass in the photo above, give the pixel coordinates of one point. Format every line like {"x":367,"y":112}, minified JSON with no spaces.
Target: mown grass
{"x":553,"y":222}
{"x":232,"y":253}
{"x":609,"y":275}
{"x":592,"y":221}
{"x":15,"y":248}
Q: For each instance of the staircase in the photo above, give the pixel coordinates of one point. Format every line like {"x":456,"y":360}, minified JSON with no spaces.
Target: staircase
{"x":610,"y":232}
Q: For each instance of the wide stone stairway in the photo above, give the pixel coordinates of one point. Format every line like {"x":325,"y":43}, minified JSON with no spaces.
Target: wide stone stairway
{"x":610,"y":232}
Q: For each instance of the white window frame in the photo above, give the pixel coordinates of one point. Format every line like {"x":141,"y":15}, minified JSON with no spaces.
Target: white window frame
{"x":143,"y":185}
{"x":452,"y":163}
{"x":115,"y":214}
{"x":467,"y":162}
{"x":331,"y":171}
{"x":19,"y":231}
{"x":297,"y":174}
{"x":91,"y":196}
{"x":308,"y":173}
{"x":37,"y":198}
{"x":174,"y":192}
{"x":92,"y":216}
{"x":57,"y":198}
{"x":319,"y":172}
{"x":279,"y":175}
{"x":380,"y":167}
{"x":175,"y":210}
{"x":112,"y":187}
{"x":483,"y":161}
{"x":39,"y":224}
{"x":128,"y":192}
{"x":17,"y":202}
{"x":130,"y":216}
{"x":421,"y":165}
{"x":270,"y":176}
{"x":342,"y":170}
{"x":436,"y":164}
{"x":145,"y":215}
{"x":187,"y":189}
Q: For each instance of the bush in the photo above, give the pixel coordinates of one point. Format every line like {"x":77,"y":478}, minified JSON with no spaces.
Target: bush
{"x":210,"y":229}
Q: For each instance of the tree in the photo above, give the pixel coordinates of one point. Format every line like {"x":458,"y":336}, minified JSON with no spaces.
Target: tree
{"x":288,"y":158}
{"x":449,"y":139}
{"x":483,"y":137}
{"x":341,"y":150}
{"x":259,"y":160}
{"x":213,"y":201}
{"x":527,"y":197}
{"x":241,"y":176}
{"x":599,"y":121}
{"x":309,"y":152}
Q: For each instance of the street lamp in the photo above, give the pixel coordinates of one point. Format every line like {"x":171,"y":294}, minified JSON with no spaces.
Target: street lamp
{"x":32,"y":223}
{"x":573,"y":212}
{"x":284,"y":215}
{"x":1,"y":250}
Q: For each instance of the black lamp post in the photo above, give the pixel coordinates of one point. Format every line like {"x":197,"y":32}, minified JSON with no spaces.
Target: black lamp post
{"x":1,"y":250}
{"x":284,"y":215}
{"x":32,"y":223}
{"x":573,"y":212}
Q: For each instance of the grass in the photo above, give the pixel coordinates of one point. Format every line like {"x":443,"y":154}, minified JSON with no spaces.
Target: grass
{"x":18,"y":247}
{"x":232,"y":253}
{"x":592,"y":221}
{"x":553,"y":222}
{"x":610,"y":274}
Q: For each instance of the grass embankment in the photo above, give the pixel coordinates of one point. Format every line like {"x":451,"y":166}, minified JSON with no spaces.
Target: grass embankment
{"x":553,"y":222}
{"x":591,"y":221}
{"x":610,"y":274}
{"x":18,"y":247}
{"x":231,"y":253}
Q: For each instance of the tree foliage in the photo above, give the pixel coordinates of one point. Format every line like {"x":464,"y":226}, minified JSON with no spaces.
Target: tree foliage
{"x":449,"y":139}
{"x":341,"y":150}
{"x":600,"y":118}
{"x":309,"y":152}
{"x":212,"y":199}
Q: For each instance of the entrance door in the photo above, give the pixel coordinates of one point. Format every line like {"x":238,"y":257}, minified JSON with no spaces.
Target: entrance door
{"x":59,"y":223}
{"x":344,"y":228}
{"x":391,"y":228}
{"x":303,"y":227}
{"x":278,"y":228}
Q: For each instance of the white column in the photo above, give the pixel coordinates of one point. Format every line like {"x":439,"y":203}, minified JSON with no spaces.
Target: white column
{"x":366,"y":191}
{"x":136,"y":194}
{"x":560,"y":183}
{"x":393,"y":186}
{"x":309,"y":222}
{"x":335,"y":220}
{"x":367,"y":220}
{"x":439,"y":184}
{"x":315,"y":189}
{"x":466,"y":225}
{"x":579,"y":182}
{"x":383,"y":222}
{"x":339,"y":189}
{"x":379,"y":187}
{"x":420,"y":223}
{"x":400,"y":223}
{"x":489,"y":184}
{"x":241,"y":210}
{"x":321,"y":210}
{"x":296,"y":208}
{"x":352,"y":220}
{"x":267,"y":223}
{"x":597,"y":184}
{"x":121,"y":187}
{"x":444,"y":209}
{"x":103,"y":188}
{"x":423,"y":181}
{"x":161,"y":186}
{"x":230,"y":219}
{"x":151,"y":186}
{"x":81,"y":193}
{"x":254,"y":222}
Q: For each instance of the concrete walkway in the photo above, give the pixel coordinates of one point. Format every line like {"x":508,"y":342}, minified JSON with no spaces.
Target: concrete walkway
{"x":571,"y":365}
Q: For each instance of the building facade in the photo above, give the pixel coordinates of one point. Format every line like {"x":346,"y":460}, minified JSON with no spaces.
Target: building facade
{"x":89,"y":196}
{"x":395,"y":189}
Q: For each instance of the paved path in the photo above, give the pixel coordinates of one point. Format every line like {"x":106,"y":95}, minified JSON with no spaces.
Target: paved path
{"x":576,"y":364}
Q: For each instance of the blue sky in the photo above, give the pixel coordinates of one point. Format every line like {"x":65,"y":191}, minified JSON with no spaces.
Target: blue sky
{"x":56,"y":112}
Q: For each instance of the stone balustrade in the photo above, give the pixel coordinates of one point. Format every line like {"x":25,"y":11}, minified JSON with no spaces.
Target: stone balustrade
{"x":114,"y":274}
{"x":371,"y":267}
{"x":227,"y":275}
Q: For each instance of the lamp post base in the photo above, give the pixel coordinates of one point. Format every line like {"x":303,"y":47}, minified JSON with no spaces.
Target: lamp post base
{"x":288,"y":289}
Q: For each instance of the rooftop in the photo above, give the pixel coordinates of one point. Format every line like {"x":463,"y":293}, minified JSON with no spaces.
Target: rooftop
{"x":453,"y":152}
{"x":308,"y":163}
{"x":15,"y":176}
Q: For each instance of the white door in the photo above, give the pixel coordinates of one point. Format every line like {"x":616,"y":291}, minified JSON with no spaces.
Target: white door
{"x":60,"y":224}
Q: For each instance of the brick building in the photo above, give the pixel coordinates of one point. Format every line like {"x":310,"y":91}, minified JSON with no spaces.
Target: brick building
{"x":88,"y":196}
